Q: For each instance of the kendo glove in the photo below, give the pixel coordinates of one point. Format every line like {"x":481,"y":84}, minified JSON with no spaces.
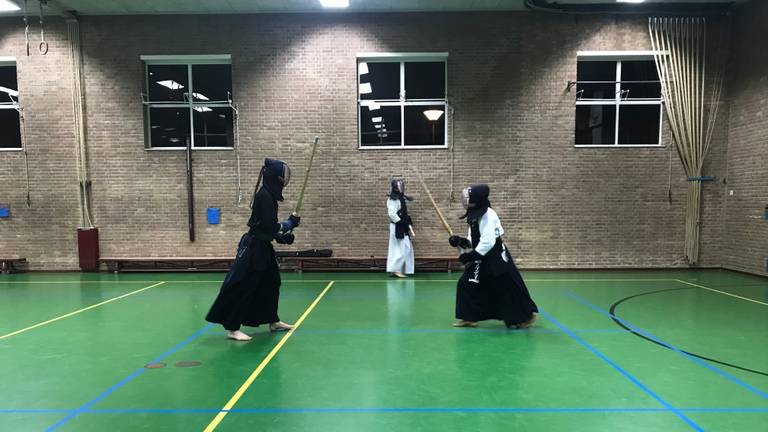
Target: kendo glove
{"x":290,"y":223}
{"x":462,"y":242}
{"x":470,"y":257}
{"x":287,"y":238}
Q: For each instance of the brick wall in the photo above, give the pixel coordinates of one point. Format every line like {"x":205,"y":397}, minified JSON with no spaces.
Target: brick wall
{"x":745,"y":237}
{"x":294,"y":77}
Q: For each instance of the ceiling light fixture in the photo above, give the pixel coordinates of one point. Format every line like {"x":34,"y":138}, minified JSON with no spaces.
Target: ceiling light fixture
{"x":362,"y":68}
{"x":630,"y":1}
{"x":433,"y":115}
{"x":334,"y":4}
{"x":171,"y":84}
{"x":8,"y":6}
{"x":10,"y":92}
{"x":365,"y":88}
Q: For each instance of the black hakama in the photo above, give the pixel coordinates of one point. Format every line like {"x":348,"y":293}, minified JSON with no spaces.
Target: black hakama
{"x":500,"y":292}
{"x":251,"y":291}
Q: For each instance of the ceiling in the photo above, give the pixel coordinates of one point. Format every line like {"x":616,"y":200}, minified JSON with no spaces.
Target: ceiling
{"x":151,"y":7}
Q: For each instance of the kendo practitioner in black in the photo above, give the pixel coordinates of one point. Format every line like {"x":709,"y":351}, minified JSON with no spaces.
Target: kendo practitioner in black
{"x":491,"y":286}
{"x":250,"y":292}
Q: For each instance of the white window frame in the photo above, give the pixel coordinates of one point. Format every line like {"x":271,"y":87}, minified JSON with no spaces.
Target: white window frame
{"x":618,"y":57}
{"x":180,"y":60}
{"x":402,"y":102}
{"x":14,"y":105}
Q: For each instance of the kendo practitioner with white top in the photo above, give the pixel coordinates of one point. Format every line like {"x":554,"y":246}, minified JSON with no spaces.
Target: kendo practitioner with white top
{"x":251,"y":290}
{"x":491,"y":286}
{"x":400,"y":261}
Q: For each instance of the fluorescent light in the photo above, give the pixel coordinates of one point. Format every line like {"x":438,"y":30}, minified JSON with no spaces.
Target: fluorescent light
{"x":334,"y":4}
{"x":629,"y":1}
{"x":365,"y":88}
{"x":374,"y":107}
{"x":378,"y":126}
{"x":8,"y":6}
{"x":199,"y":96}
{"x":433,"y":115}
{"x":376,"y":119}
{"x":11,"y":92}
{"x":202,"y":109}
{"x":171,"y":84}
{"x":362,"y":68}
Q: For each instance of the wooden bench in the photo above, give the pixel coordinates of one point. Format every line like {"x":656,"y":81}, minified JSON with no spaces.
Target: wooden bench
{"x":10,"y":264}
{"x":297,"y":263}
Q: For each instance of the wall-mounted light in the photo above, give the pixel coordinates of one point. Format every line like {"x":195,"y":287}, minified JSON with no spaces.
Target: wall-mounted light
{"x":334,"y":4}
{"x":8,"y":6}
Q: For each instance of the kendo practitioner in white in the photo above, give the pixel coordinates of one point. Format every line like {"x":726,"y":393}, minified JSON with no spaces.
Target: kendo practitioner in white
{"x":491,"y":286}
{"x":251,"y":290}
{"x":400,"y":261}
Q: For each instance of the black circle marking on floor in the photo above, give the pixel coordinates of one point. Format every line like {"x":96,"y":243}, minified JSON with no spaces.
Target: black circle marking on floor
{"x":187,"y":363}
{"x":615,"y":319}
{"x":154,"y":365}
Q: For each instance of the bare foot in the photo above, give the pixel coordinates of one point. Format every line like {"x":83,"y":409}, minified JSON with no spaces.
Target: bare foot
{"x":238,"y":336}
{"x":280,"y":326}
{"x":463,"y":323}
{"x":529,"y":323}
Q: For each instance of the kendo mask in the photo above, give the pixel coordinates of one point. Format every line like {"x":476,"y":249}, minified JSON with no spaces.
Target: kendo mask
{"x":475,"y":200}
{"x":276,"y":175}
{"x":398,"y":190}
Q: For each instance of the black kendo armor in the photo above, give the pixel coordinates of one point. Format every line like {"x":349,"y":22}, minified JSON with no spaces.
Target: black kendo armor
{"x":398,"y":193}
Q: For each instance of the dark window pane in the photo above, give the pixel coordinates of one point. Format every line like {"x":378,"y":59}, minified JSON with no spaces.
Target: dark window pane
{"x":640,"y":71}
{"x":212,"y":82}
{"x":639,"y":124}
{"x":596,"y":71}
{"x":425,"y":80}
{"x":167,"y":82}
{"x":10,"y":130}
{"x":212,"y":126}
{"x":381,"y":82}
{"x":169,"y":127}
{"x":420,"y":129}
{"x":380,"y":126}
{"x":8,"y":80}
{"x":595,"y":124}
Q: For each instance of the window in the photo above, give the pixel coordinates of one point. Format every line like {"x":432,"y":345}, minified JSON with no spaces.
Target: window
{"x":10,"y":114}
{"x":618,"y":100}
{"x":188,"y":98}
{"x":402,"y":101}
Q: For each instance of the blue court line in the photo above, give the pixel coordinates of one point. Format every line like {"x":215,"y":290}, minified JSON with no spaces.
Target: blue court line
{"x":456,"y":331}
{"x":125,"y":380}
{"x":670,"y":346}
{"x":385,"y":410}
{"x":623,"y":372}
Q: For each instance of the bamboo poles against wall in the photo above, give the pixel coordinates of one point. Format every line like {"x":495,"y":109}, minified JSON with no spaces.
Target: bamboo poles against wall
{"x":680,"y":51}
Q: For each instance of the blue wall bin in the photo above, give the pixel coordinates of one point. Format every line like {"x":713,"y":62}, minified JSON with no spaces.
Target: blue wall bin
{"x":5,"y":212}
{"x":214,"y":215}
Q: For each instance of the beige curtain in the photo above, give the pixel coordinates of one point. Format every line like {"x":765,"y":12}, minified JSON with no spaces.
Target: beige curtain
{"x":691,"y":99}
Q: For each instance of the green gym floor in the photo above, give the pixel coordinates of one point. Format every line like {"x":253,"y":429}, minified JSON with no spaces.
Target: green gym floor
{"x":611,"y":351}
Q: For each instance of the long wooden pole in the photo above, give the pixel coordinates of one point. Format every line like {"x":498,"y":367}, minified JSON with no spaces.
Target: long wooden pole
{"x":306,"y":176}
{"x":437,"y":209}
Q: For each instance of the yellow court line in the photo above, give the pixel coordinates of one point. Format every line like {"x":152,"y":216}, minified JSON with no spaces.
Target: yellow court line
{"x":78,"y":311}
{"x":723,"y":292}
{"x":239,"y":393}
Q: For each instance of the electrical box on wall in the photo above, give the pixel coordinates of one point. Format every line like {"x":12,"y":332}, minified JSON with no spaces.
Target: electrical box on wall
{"x":214,"y":215}
{"x":5,"y":212}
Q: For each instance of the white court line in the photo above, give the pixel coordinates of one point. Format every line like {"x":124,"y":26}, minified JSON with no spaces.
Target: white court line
{"x":723,"y":292}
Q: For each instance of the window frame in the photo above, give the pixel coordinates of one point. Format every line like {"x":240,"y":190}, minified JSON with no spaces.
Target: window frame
{"x":402,"y":102}
{"x":147,"y":105}
{"x":11,"y":61}
{"x":617,"y":101}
